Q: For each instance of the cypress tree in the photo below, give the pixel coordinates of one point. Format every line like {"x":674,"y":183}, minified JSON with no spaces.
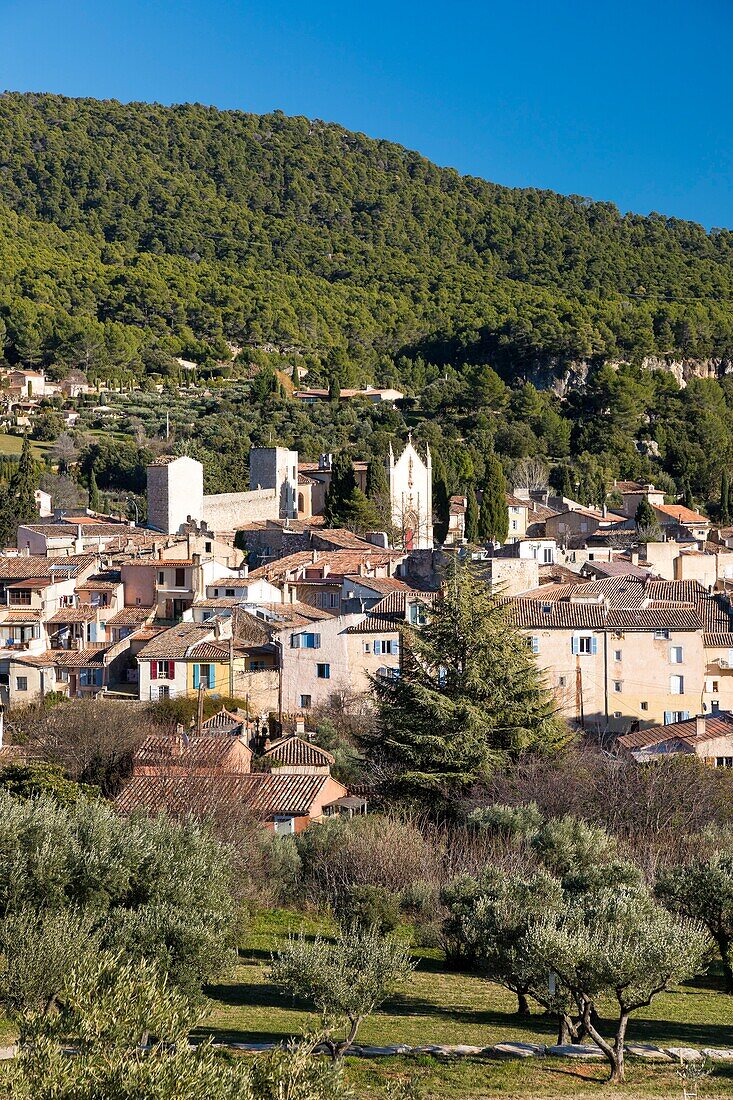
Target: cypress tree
{"x":377,"y":490}
{"x":334,"y":389}
{"x":687,"y":500}
{"x":493,"y":524}
{"x":471,"y":521}
{"x":93,"y":492}
{"x":468,"y":699}
{"x":725,"y":500}
{"x":23,"y":486}
{"x":346,"y":505}
{"x":441,"y":499}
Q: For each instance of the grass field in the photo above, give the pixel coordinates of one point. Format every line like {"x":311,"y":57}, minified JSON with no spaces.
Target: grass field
{"x":12,"y":445}
{"x":441,"y":1006}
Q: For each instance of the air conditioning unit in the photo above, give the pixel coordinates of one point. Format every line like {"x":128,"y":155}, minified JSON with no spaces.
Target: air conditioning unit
{"x":723,"y":662}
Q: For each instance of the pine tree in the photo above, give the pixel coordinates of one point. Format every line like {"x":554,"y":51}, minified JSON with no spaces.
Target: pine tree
{"x":725,"y":500}
{"x":23,"y":486}
{"x":93,"y":492}
{"x":441,"y":500}
{"x":469,"y":697}
{"x":471,"y":521}
{"x":493,"y":523}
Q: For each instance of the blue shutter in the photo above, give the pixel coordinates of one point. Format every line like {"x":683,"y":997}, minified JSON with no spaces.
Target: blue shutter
{"x":396,"y":646}
{"x":575,"y":645}
{"x":212,"y":676}
{"x":685,"y":715}
{"x":98,"y":677}
{"x":196,"y":676}
{"x":667,"y":717}
{"x":316,"y":641}
{"x":377,"y":647}
{"x":594,"y":645}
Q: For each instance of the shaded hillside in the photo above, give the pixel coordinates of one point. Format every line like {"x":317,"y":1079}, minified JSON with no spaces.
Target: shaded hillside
{"x":184,"y":227}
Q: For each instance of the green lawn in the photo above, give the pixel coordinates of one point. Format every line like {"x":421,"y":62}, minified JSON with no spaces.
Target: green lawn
{"x":441,"y":1006}
{"x":12,"y":445}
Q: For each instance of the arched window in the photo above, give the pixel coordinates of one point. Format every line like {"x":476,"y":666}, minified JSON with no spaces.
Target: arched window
{"x":301,"y":503}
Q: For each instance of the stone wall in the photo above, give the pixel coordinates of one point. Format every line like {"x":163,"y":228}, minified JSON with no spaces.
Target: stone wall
{"x":227,"y":511}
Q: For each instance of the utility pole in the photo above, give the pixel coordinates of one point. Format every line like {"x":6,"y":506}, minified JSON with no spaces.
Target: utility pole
{"x":200,"y":710}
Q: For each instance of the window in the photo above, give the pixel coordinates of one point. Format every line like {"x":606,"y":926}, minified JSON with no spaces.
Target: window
{"x":617,"y":714}
{"x":162,"y":670}
{"x":161,"y":577}
{"x":618,"y":685}
{"x":180,"y":581}
{"x":367,"y":647}
{"x":584,"y":644}
{"x":546,"y":608}
{"x":418,"y":614}
{"x":644,"y":706}
{"x":617,"y":654}
{"x":256,"y":666}
{"x":228,"y":591}
{"x":305,"y":641}
{"x":675,"y":654}
{"x":547,"y":555}
{"x":21,"y":683}
{"x":533,"y":644}
{"x":305,"y":702}
{"x":208,"y":547}
{"x":204,"y":676}
{"x":676,"y":685}
{"x":386,"y":645}
{"x":724,"y":761}
{"x":716,"y":687}
{"x":672,"y":716}
{"x":328,"y":599}
{"x":661,"y":635}
{"x":514,"y":525}
{"x":561,"y":681}
{"x":164,"y":691}
{"x":323,"y":672}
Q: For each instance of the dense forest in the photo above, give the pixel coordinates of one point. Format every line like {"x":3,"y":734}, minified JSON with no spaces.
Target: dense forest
{"x":133,"y":233}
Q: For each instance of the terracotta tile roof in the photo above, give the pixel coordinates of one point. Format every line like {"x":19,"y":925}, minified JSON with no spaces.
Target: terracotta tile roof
{"x":718,"y":641}
{"x":374,"y":624}
{"x":517,"y":502}
{"x":21,"y":615}
{"x":131,"y":616}
{"x":219,"y":601}
{"x":223,"y":721}
{"x":396,"y":602}
{"x":685,"y":733}
{"x":67,"y":658}
{"x":264,"y":793}
{"x":101,"y":582}
{"x":31,"y":583}
{"x":385,"y":585}
{"x":159,"y":563}
{"x":176,"y":641}
{"x":278,"y":616}
{"x":679,"y":591}
{"x":658,"y":618}
{"x":166,"y":752}
{"x":617,"y":568}
{"x":715,"y":613}
{"x":343,"y":561}
{"x":681,"y":514}
{"x":208,"y":651}
{"x":82,"y":614}
{"x":296,"y":752}
{"x":22,"y":566}
{"x":536,"y":613}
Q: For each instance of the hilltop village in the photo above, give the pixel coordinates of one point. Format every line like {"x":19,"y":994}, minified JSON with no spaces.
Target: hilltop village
{"x":252,"y":597}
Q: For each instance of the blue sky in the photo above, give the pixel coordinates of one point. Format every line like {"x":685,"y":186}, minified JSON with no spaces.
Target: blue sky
{"x":628,"y":102}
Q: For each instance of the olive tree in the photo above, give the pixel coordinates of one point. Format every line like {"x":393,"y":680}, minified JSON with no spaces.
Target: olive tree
{"x":129,"y":1029}
{"x":624,"y":948}
{"x":703,"y":891}
{"x":346,"y":979}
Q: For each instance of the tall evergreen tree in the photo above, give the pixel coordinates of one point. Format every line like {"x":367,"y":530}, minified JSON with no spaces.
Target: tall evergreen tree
{"x":377,"y":492}
{"x":687,"y":499}
{"x":346,"y":505}
{"x":725,"y":500}
{"x":471,"y":521}
{"x":468,"y":698}
{"x":93,"y":491}
{"x":23,"y":486}
{"x":493,"y":523}
{"x":441,"y":499}
{"x":334,"y":389}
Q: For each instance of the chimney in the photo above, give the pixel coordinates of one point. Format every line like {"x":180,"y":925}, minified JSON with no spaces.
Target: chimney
{"x":634,"y":557}
{"x":700,"y":726}
{"x":300,"y":725}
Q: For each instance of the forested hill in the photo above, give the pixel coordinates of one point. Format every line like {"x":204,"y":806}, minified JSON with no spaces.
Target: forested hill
{"x":129,"y":233}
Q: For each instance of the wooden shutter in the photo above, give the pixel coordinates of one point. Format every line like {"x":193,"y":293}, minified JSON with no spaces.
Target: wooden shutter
{"x":153,"y":670}
{"x":171,"y":670}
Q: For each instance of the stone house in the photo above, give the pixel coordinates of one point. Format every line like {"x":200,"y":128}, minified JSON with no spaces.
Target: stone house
{"x":708,"y":738}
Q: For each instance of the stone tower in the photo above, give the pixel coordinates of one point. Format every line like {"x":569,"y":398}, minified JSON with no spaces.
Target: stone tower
{"x":411,"y":497}
{"x":175,"y":492}
{"x":276,"y":468}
